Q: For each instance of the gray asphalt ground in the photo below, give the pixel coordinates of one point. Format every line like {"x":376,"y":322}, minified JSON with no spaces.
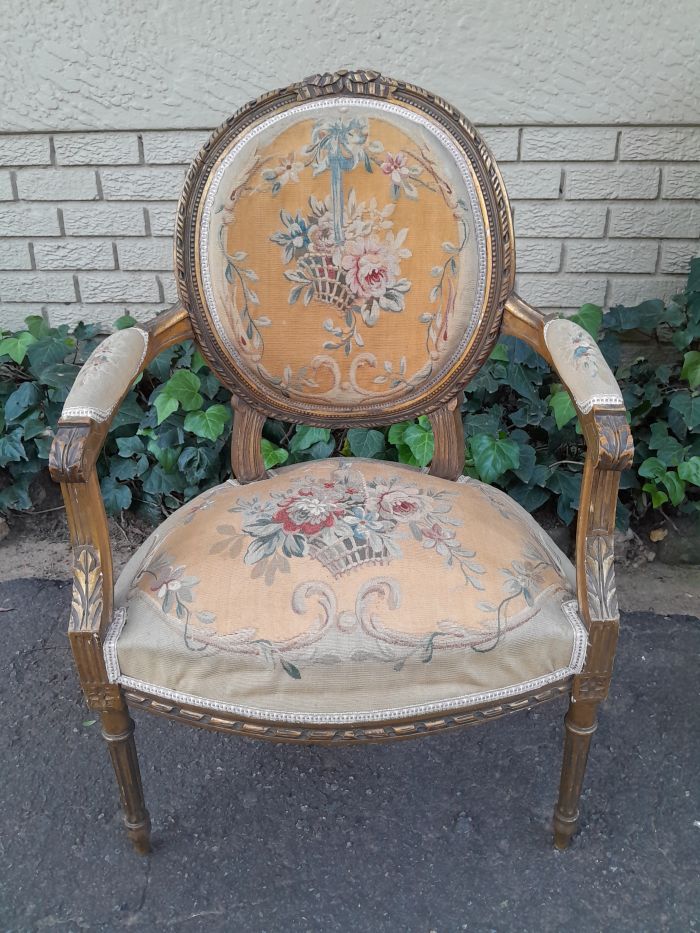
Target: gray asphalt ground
{"x":447,"y":833}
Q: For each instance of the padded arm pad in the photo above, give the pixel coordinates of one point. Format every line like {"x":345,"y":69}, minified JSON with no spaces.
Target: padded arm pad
{"x":581,"y":366}
{"x":106,"y":375}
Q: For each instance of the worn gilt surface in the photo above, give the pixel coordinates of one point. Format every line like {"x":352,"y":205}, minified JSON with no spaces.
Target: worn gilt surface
{"x":382,"y":732}
{"x":86,"y":602}
{"x":600,"y":578}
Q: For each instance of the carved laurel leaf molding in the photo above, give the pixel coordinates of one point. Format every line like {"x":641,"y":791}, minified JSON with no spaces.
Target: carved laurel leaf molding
{"x":86,"y":601}
{"x":600,"y":578}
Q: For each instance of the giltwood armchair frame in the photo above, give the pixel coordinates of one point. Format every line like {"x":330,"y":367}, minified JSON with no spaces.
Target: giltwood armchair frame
{"x":80,"y":437}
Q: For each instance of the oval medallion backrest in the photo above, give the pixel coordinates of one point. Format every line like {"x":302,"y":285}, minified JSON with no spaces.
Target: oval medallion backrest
{"x":344,"y":248}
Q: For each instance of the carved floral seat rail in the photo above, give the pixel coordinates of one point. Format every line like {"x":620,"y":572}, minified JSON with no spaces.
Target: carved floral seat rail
{"x":345,"y":256}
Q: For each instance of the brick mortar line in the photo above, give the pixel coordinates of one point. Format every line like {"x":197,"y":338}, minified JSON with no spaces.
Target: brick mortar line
{"x":684,"y":124}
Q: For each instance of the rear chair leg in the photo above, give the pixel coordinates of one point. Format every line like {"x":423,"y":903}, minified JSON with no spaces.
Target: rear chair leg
{"x":580,"y":723}
{"x":118,"y":731}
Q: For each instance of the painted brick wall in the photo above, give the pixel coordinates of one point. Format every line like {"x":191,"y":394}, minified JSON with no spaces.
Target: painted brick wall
{"x":602,"y":214}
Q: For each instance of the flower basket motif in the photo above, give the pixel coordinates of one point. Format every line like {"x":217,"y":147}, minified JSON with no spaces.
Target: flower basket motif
{"x":328,"y":285}
{"x":345,"y":252}
{"x":347,"y":522}
{"x":347,"y":552}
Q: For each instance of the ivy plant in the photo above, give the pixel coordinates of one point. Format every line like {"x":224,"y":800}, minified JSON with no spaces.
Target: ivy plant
{"x":170,"y":439}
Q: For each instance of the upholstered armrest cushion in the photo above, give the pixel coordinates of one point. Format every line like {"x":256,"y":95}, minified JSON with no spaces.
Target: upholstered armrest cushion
{"x":106,"y":375}
{"x":581,"y":366}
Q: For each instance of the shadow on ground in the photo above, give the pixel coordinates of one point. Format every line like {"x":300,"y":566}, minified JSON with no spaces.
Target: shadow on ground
{"x":448,"y":833}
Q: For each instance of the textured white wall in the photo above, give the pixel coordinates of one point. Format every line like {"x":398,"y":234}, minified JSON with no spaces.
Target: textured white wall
{"x":132,"y":64}
{"x":591,"y":107}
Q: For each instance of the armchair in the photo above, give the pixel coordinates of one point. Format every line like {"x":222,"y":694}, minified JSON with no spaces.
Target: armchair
{"x":345,"y":256}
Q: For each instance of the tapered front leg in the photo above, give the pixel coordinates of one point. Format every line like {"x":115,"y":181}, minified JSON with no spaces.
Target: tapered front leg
{"x":118,"y":731}
{"x":580,"y":724}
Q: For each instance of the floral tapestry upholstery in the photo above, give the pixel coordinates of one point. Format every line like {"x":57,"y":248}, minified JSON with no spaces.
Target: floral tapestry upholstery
{"x":345,"y":590}
{"x":578,"y":360}
{"x":106,"y":375}
{"x":342,"y":253}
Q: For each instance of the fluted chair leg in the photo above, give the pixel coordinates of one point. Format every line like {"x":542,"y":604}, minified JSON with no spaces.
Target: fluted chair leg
{"x":580,"y":724}
{"x":118,"y":732}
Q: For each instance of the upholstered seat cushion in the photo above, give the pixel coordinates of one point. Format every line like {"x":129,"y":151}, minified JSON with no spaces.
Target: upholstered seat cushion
{"x":346,"y":590}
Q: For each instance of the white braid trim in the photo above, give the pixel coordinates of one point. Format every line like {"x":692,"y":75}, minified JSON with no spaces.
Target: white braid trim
{"x":578,"y":654}
{"x":601,"y":401}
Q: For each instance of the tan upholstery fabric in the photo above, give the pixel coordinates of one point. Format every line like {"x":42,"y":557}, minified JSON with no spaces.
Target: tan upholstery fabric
{"x":342,"y":252}
{"x":107,"y":374}
{"x":581,"y":365}
{"x":346,"y":590}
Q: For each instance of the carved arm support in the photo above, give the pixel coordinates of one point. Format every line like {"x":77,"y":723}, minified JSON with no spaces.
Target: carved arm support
{"x":596,"y":395}
{"x":99,"y":389}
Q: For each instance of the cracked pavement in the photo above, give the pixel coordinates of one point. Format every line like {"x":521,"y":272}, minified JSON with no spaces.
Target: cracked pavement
{"x":447,"y":833}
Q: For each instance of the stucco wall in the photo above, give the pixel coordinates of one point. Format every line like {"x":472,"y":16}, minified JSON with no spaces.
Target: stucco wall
{"x":590,"y":107}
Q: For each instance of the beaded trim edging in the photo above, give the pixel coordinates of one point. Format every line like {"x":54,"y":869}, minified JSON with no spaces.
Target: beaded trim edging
{"x":601,"y":401}
{"x":102,"y":414}
{"x":404,"y":112}
{"x":578,"y":654}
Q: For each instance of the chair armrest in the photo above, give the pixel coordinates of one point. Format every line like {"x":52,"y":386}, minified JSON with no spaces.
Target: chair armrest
{"x":595,"y":393}
{"x":100,"y":387}
{"x":581,"y":366}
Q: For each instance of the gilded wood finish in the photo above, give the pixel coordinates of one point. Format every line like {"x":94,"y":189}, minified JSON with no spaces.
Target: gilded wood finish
{"x":74,"y":452}
{"x":246,"y":455}
{"x":446,"y":422}
{"x":609,"y":450}
{"x":341,"y":735}
{"x":495,"y":213}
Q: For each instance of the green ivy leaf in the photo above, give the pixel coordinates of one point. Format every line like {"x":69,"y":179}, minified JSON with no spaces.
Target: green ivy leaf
{"x":128,"y":446}
{"x":11,"y":448}
{"x":396,"y":432}
{"x":668,"y":449}
{"x":688,"y":407}
{"x":26,"y":397}
{"x":658,"y":496}
{"x":406,"y":455}
{"x":690,"y":471}
{"x":117,"y":496}
{"x":165,"y":405}
{"x":272,"y":455}
{"x":209,"y":423}
{"x":563,"y":408}
{"x":126,"y":320}
{"x":691,"y":368}
{"x":493,"y":456}
{"x":198,"y":463}
{"x":60,"y":375}
{"x":499,"y":353}
{"x":45,"y":352}
{"x":421,"y":443}
{"x":530,"y":497}
{"x":589,"y":317}
{"x":305,"y":436}
{"x":17,"y":495}
{"x":184,"y":385}
{"x":652,"y":468}
{"x":366,"y":443}
{"x":16,"y":347}
{"x":674,"y":486}
{"x":645,"y":317}
{"x":567,"y":487}
{"x":158,"y":480}
{"x":37,"y":326}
